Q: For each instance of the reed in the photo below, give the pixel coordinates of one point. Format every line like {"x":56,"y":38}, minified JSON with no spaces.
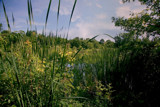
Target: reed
{"x":41,"y":76}
{"x":6,"y":16}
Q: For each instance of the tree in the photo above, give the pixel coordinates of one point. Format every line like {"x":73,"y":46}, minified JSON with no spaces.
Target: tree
{"x":101,"y":41}
{"x":123,"y":39}
{"x":145,"y":22}
{"x":75,"y":42}
{"x":109,"y":44}
{"x":84,"y":44}
{"x":139,"y":58}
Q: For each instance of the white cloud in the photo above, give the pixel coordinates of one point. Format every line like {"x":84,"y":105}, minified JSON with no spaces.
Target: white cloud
{"x":137,"y":10}
{"x":89,"y":30}
{"x":123,"y":11}
{"x":65,"y":8}
{"x":39,"y":23}
{"x":98,"y":5}
{"x":20,"y":21}
{"x":137,"y":3}
{"x":88,"y":2}
{"x":69,"y":1}
{"x":120,"y":2}
{"x":76,"y":17}
{"x":40,"y":5}
{"x":96,"y":26}
{"x":38,"y":11}
{"x":127,"y":8}
{"x":101,"y":16}
{"x":47,"y":31}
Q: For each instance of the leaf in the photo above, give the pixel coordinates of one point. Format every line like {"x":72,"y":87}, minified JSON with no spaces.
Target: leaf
{"x":29,"y":12}
{"x":75,"y":98}
{"x":48,"y":12}
{"x":81,"y":48}
{"x":74,"y":5}
{"x":59,"y":4}
{"x":72,"y":12}
{"x":13,"y":19}
{"x":92,"y":38}
{"x":109,"y":36}
{"x":9,"y":28}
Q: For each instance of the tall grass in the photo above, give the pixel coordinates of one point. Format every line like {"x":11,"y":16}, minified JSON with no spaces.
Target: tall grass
{"x":39,"y":75}
{"x":30,"y":12}
{"x":36,"y":70}
{"x":9,"y":28}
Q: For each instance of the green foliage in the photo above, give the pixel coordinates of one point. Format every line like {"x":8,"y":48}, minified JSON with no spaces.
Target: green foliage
{"x":109,"y":44}
{"x":138,"y":68}
{"x":146,"y":21}
{"x":27,"y":64}
{"x":85,"y":43}
{"x":137,"y":74}
{"x":40,"y":70}
{"x":102,"y":41}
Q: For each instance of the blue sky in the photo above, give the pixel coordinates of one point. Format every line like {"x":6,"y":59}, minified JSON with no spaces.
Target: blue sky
{"x":91,"y":17}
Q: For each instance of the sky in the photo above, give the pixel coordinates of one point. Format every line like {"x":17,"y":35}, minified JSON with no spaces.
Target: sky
{"x":90,"y":18}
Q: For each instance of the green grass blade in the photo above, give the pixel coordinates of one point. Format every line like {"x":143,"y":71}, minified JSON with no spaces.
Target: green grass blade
{"x":9,"y":28}
{"x":16,"y":71}
{"x":59,"y":4}
{"x":48,"y":12}
{"x":18,"y":81}
{"x":28,"y":100}
{"x":81,"y":48}
{"x":74,"y":5}
{"x":72,"y":12}
{"x":75,"y":98}
{"x":13,"y":19}
{"x":92,"y":38}
{"x":29,"y":12}
{"x":18,"y":98}
{"x":109,"y":36}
